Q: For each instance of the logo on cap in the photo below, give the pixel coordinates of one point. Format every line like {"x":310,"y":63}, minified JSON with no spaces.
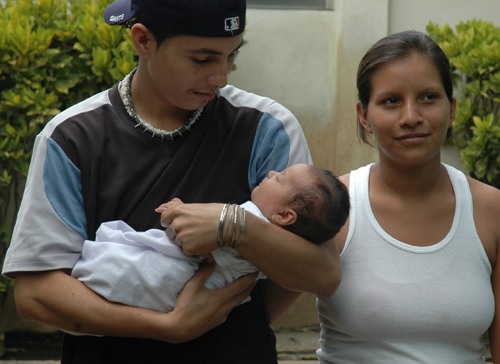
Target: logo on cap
{"x":232,"y":24}
{"x":116,"y":18}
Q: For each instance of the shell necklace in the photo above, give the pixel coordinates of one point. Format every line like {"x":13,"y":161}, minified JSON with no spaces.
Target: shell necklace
{"x":125,"y":93}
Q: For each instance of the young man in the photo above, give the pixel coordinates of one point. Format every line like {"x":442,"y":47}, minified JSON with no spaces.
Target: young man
{"x":172,"y":128}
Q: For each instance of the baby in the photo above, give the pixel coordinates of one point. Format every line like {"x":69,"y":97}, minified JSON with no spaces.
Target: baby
{"x":148,"y":269}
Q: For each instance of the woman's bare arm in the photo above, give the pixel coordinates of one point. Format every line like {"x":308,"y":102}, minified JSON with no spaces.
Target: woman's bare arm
{"x":495,"y":327}
{"x":486,"y":200}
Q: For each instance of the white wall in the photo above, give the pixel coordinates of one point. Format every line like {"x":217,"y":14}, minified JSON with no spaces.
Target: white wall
{"x":306,"y":60}
{"x":411,"y":14}
{"x":290,"y":57}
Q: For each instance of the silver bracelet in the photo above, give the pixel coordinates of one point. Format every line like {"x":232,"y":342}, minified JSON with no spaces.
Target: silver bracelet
{"x":243,"y":218}
{"x":222,"y":220}
{"x":235,"y":221}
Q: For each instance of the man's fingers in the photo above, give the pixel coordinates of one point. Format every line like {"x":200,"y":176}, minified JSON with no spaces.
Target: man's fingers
{"x":205,"y":270}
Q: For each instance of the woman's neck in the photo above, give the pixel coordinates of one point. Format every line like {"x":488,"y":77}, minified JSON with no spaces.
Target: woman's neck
{"x":411,"y":182}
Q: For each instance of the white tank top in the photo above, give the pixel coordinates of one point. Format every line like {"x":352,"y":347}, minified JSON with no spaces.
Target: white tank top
{"x":399,"y":303}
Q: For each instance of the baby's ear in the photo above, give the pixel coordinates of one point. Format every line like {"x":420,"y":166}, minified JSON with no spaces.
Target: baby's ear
{"x":287,"y":216}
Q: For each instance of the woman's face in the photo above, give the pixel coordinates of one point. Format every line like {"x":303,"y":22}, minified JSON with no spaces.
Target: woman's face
{"x":408,"y":112}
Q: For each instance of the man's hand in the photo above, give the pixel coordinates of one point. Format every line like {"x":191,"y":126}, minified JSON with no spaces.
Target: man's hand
{"x":200,"y":309}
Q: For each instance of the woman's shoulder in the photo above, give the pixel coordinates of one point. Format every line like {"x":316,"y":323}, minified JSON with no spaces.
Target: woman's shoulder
{"x":486,"y":205}
{"x":345,"y":178}
{"x":486,"y":202}
{"x":484,"y":194}
{"x":360,"y":172}
{"x":341,"y":237}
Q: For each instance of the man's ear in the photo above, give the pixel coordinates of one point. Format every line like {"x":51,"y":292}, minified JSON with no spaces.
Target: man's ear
{"x":285,"y":217}
{"x":363,"y":121}
{"x":142,"y":39}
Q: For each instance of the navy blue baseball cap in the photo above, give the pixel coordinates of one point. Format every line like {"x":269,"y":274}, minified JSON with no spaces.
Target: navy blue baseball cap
{"x":208,"y":18}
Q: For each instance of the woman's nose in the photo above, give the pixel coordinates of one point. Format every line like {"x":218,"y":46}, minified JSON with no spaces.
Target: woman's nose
{"x":411,"y":115}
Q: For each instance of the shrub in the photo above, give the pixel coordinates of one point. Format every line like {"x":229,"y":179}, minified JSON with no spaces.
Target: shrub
{"x":474,"y":53}
{"x":53,"y":53}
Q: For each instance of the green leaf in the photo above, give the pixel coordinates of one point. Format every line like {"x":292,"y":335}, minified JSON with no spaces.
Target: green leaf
{"x":473,"y":48}
{"x":50,"y":51}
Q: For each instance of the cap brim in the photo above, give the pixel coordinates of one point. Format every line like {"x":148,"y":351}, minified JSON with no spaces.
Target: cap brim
{"x":119,"y":12}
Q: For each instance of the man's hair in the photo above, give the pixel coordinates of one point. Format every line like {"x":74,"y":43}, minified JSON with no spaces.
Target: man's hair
{"x":322,"y":208}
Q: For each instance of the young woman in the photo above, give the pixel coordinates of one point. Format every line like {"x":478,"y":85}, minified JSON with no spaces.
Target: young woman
{"x":419,"y":254}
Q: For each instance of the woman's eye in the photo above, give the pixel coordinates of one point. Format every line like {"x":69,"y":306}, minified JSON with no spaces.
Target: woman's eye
{"x":430,"y":96}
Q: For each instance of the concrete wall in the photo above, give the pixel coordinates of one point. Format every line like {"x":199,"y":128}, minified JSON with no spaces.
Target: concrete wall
{"x":306,"y":60}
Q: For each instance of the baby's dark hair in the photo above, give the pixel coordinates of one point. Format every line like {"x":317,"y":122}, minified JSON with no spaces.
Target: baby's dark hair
{"x":322,"y":209}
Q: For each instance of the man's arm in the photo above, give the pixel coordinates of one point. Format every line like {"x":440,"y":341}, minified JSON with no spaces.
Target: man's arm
{"x":279,"y":300}
{"x":287,"y":259}
{"x":59,"y":300}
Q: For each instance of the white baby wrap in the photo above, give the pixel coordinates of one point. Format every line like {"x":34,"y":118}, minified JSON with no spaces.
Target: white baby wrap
{"x":147,"y":269}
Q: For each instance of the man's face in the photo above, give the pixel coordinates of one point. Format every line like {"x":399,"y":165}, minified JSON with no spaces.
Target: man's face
{"x":186,"y":71}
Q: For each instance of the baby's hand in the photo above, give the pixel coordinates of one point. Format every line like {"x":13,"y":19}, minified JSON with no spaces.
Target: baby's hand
{"x":169,"y":229}
{"x":172,"y":204}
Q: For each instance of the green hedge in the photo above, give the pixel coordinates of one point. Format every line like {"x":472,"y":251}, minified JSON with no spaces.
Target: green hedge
{"x":53,"y":53}
{"x":474,"y":52}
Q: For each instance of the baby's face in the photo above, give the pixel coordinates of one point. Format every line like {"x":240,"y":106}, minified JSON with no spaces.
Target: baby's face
{"x":273,"y":193}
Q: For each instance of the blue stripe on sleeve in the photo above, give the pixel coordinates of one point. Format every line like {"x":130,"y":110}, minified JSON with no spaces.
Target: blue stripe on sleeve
{"x":271,"y":150}
{"x":63,"y":188}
